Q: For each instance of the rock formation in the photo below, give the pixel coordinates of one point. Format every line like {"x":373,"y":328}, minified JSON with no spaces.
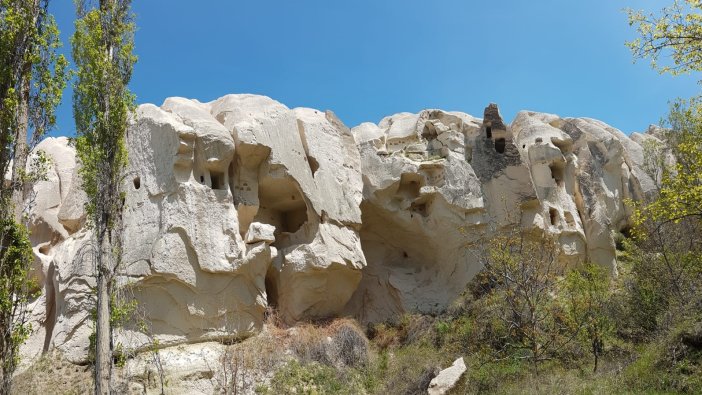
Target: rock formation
{"x":241,"y":204}
{"x":447,"y":378}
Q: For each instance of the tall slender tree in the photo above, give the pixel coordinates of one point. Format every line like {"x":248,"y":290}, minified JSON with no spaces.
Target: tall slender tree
{"x":103,"y":46}
{"x":32,"y":79}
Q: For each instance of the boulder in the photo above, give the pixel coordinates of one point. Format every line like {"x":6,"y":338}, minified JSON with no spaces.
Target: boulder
{"x":447,"y":378}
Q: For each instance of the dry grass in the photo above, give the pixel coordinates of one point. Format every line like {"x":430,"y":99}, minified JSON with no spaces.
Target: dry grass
{"x":52,"y":374}
{"x":252,"y":364}
{"x":339,"y":343}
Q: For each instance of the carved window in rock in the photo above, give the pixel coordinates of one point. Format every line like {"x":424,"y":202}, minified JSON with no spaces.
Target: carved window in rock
{"x":557,"y":172}
{"x":500,"y":146}
{"x":553,"y":216}
{"x":570,"y":220}
{"x":217,"y":179}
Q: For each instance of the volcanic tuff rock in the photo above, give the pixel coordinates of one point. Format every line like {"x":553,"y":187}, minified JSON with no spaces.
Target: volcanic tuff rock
{"x":242,"y":204}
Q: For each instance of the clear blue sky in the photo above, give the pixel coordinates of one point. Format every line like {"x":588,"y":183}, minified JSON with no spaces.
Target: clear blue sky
{"x":365,"y":59}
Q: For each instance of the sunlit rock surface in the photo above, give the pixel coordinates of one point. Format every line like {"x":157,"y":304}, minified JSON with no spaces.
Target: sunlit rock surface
{"x":242,"y":204}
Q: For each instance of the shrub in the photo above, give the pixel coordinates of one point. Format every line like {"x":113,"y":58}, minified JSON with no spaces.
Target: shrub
{"x":410,"y":369}
{"x":340,"y":344}
{"x":311,"y":378}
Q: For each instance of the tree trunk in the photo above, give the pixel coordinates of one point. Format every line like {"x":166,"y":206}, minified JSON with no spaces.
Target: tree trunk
{"x":103,"y":337}
{"x":103,"y":355}
{"x":19,"y":163}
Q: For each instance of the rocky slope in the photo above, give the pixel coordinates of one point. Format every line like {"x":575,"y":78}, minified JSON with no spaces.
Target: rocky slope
{"x":242,"y":204}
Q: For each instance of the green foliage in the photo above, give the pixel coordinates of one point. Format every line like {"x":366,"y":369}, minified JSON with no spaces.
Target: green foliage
{"x":675,"y":30}
{"x":32,"y":78}
{"x":666,"y":258}
{"x":102,"y":102}
{"x":519,"y":301}
{"x":488,"y":377}
{"x":121,"y":310}
{"x":15,"y":291}
{"x":311,"y":378}
{"x":103,"y":45}
{"x":32,"y":73}
{"x":668,"y":364}
{"x":586,"y":296}
{"x":680,"y":194}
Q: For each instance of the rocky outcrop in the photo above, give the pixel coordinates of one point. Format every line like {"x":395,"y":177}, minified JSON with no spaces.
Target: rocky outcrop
{"x":447,"y":378}
{"x":242,"y":204}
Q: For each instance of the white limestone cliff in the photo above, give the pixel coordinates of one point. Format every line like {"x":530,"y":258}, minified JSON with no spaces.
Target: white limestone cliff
{"x":242,"y":204}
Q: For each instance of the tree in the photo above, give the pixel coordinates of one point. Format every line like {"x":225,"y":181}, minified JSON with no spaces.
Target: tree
{"x":32,"y":79}
{"x":14,"y":293}
{"x":674,"y":30}
{"x":586,"y":295}
{"x":521,"y":288}
{"x":103,"y":46}
{"x":668,"y":260}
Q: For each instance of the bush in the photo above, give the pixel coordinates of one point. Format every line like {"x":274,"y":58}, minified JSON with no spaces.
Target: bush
{"x":410,"y":369}
{"x":310,"y":378}
{"x":339,"y":344}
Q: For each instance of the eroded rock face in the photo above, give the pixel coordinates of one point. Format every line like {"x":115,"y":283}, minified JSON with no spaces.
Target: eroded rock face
{"x":236,"y":205}
{"x":242,"y":204}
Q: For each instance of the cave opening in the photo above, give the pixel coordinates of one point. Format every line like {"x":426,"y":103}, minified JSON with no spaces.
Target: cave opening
{"x":217,"y":179}
{"x":553,"y":216}
{"x":488,"y":132}
{"x":570,"y":220}
{"x":137,"y":182}
{"x":564,"y":146}
{"x":429,"y":132}
{"x":557,"y":172}
{"x":500,"y":146}
{"x":410,"y":185}
{"x":420,"y":208}
{"x":271,"y":288}
{"x":282,"y":205}
{"x":50,"y":311}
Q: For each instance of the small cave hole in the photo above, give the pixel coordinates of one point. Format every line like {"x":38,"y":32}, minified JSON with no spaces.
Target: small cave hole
{"x":404,"y":254}
{"x":137,"y":183}
{"x":50,"y":309}
{"x":217,"y":179}
{"x":283,"y":206}
{"x":523,"y":145}
{"x":202,"y":179}
{"x":410,"y":185}
{"x":45,"y":248}
{"x":420,"y":208}
{"x":314,"y":165}
{"x":569,"y":218}
{"x":557,"y":172}
{"x":271,"y":288}
{"x":564,"y":146}
{"x":553,"y":215}
{"x":429,"y":132}
{"x":500,"y":146}
{"x":488,"y":132}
